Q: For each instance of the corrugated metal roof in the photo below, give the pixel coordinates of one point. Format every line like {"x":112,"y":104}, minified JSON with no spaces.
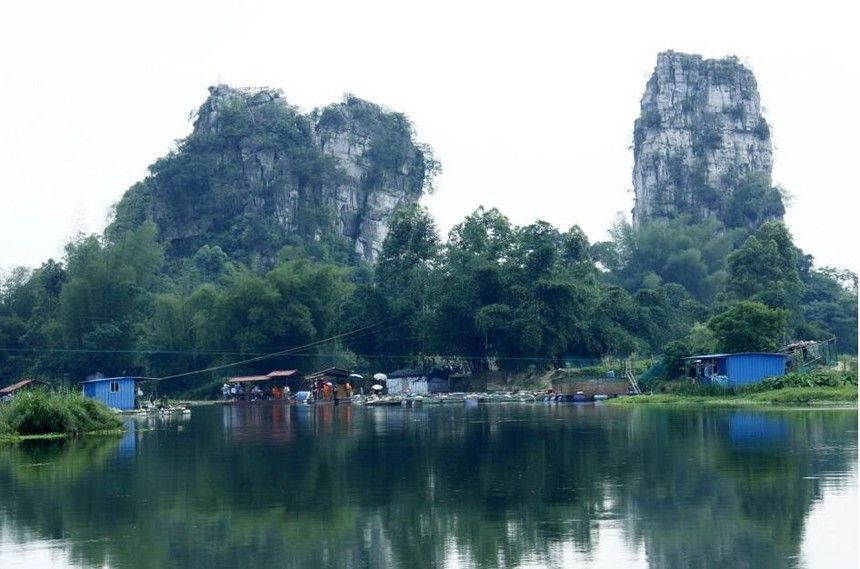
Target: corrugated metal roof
{"x":331,"y":372}
{"x":249,"y":378}
{"x":284,"y":373}
{"x":106,"y":379}
{"x":16,"y":386}
{"x":710,"y":356}
{"x":407,"y":373}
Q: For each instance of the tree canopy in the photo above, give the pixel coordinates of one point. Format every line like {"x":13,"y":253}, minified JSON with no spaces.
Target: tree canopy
{"x":493,"y":295}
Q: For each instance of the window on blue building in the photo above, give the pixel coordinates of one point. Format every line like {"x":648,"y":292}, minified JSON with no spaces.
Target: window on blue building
{"x":114,"y":387}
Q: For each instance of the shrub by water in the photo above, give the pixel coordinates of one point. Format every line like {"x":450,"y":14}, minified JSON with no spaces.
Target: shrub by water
{"x":40,"y":412}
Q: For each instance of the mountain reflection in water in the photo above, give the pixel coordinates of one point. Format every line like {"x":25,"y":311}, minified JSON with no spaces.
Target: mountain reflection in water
{"x":492,"y":486}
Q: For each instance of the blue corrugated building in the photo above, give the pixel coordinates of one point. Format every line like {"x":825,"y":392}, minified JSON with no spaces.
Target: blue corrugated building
{"x":736,"y":369}
{"x":116,"y":392}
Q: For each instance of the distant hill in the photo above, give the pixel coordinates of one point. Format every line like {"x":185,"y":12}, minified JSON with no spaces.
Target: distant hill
{"x":256,"y":174}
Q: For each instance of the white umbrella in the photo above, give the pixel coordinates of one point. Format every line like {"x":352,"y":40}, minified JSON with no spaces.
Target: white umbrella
{"x":380,"y":376}
{"x":376,"y":387}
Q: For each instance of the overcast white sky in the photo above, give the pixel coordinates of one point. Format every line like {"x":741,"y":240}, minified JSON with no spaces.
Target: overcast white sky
{"x":529,"y":106}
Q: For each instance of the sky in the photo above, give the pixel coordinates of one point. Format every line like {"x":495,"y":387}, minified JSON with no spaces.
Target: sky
{"x":529,"y":106}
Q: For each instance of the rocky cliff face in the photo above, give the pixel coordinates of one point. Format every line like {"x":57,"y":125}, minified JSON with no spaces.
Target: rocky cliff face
{"x":701,"y":144}
{"x":383,"y":169}
{"x":257,"y":174}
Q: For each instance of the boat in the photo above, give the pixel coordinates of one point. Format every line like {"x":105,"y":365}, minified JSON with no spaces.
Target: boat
{"x":413,"y":400}
{"x":171,"y":410}
{"x":387,"y":401}
{"x":601,"y":397}
{"x":579,"y":397}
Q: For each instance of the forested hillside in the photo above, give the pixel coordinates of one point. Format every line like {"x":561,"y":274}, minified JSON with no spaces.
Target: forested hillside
{"x":268,"y":230}
{"x":493,"y":294}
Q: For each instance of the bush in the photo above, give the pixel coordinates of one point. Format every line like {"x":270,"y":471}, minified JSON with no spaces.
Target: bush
{"x":761,"y":130}
{"x":849,"y":364}
{"x":809,"y":395}
{"x":41,"y":412}
{"x":652,"y":118}
{"x":815,"y":378}
{"x":651,"y":377}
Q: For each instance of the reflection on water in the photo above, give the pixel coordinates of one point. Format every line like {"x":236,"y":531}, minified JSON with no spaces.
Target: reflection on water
{"x":490,"y":486}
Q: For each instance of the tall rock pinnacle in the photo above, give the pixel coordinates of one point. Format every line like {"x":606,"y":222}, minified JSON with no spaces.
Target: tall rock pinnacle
{"x":701,"y":146}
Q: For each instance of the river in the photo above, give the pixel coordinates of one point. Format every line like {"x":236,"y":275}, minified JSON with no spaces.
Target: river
{"x":505,"y":485}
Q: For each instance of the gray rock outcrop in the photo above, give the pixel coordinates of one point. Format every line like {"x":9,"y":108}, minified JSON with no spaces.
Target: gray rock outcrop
{"x":700,"y":136}
{"x":257,"y":174}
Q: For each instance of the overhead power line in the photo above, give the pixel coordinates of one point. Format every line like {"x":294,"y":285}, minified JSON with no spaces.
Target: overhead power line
{"x":265,"y":356}
{"x":250,"y":352}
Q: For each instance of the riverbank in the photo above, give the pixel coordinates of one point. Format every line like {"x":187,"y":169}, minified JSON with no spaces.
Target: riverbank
{"x":17,"y":439}
{"x":843,"y":396}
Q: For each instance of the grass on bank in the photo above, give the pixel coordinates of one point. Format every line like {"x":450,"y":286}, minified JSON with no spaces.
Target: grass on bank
{"x":823,"y":386}
{"x":44,"y":414}
{"x":791,"y":396}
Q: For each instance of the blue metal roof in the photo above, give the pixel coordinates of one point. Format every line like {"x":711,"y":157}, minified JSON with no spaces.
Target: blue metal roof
{"x":106,"y":379}
{"x":711,"y":356}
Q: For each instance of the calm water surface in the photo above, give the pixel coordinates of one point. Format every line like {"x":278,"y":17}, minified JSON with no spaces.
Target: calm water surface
{"x":493,"y":486}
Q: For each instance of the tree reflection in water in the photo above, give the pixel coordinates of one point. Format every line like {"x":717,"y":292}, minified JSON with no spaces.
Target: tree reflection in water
{"x":363,"y":487}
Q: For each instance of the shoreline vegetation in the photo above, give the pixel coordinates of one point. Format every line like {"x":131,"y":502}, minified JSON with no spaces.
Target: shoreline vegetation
{"x":790,"y":397}
{"x":823,"y":387}
{"x":820,"y":387}
{"x":47,"y":415}
{"x":42,"y":415}
{"x":16,"y":439}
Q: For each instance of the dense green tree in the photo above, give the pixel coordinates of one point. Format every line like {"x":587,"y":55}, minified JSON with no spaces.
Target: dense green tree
{"x":673,"y":358}
{"x":28,"y":302}
{"x":104,"y":301}
{"x":542,"y":282}
{"x":677,"y":251}
{"x":765,"y":268}
{"x":753,"y":202}
{"x":749,"y":327}
{"x":701,"y":340}
{"x":402,"y":302}
{"x":829,"y":304}
{"x":410,"y":249}
{"x":131,"y":211}
{"x":615,"y":323}
{"x":494,"y":294}
{"x":294,"y":304}
{"x":687,"y":269}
